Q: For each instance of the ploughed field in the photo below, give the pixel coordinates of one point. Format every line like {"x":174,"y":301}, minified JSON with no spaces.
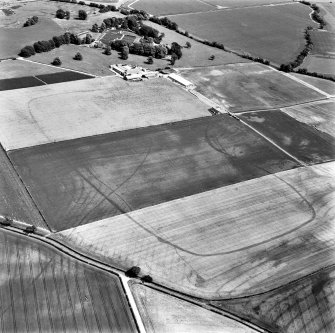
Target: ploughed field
{"x":165,"y":314}
{"x":43,"y":290}
{"x":79,"y":181}
{"x":299,"y":139}
{"x":233,"y":241}
{"x":249,"y":86}
{"x":307,"y":305}
{"x":64,"y":111}
{"x":15,"y":201}
{"x":319,"y":115}
{"x":271,"y":32}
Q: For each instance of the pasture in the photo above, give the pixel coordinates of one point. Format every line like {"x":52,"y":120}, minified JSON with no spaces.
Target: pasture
{"x":304,"y":306}
{"x":79,"y":181}
{"x":244,"y":87}
{"x":233,"y":241}
{"x":13,"y":39}
{"x":168,"y":7}
{"x":319,"y":115}
{"x":163,"y":313}
{"x":43,"y":290}
{"x":299,"y":139}
{"x":271,"y":32}
{"x":111,"y":35}
{"x":15,"y":201}
{"x":35,"y":116}
{"x":17,"y":68}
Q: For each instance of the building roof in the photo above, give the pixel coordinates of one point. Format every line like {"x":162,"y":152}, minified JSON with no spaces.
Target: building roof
{"x":180,"y":79}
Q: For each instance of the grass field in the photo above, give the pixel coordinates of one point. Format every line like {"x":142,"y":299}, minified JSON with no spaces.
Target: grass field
{"x":90,"y":107}
{"x":319,"y":115}
{"x":325,"y":85}
{"x":18,"y":68}
{"x":243,"y":87}
{"x":305,"y":306}
{"x":98,"y":177}
{"x":12,"y":40}
{"x":163,"y":313}
{"x":234,"y":241}
{"x":271,"y":32}
{"x":45,"y":291}
{"x":299,"y":139}
{"x":168,"y":7}
{"x":319,"y":64}
{"x":15,"y":201}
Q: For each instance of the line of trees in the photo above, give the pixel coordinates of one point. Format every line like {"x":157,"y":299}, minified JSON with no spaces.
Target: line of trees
{"x":315,"y":74}
{"x":316,"y":14}
{"x":303,"y":54}
{"x":31,"y":21}
{"x":165,"y":21}
{"x":55,"y":42}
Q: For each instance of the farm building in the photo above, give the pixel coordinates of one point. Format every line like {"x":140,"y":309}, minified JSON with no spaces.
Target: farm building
{"x":180,"y":80}
{"x":133,"y":72}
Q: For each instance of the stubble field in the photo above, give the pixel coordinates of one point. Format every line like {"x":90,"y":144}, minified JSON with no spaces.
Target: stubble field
{"x":45,"y":291}
{"x":79,"y":181}
{"x":271,"y":32}
{"x":245,"y":87}
{"x":299,"y":139}
{"x":65,"y":111}
{"x":234,"y":241}
{"x":319,"y":115}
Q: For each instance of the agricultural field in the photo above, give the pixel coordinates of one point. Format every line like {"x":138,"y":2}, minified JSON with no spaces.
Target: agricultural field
{"x":62,"y":77}
{"x":165,"y":314}
{"x":18,"y":68}
{"x":328,"y":13}
{"x":307,"y":305}
{"x":43,"y":290}
{"x":319,"y":115}
{"x":325,"y":85}
{"x":245,"y":87}
{"x":231,"y":4}
{"x":299,"y":139}
{"x":168,"y":7}
{"x":258,"y":31}
{"x":323,"y":43}
{"x":319,"y":64}
{"x":90,"y":107}
{"x":20,"y":82}
{"x":93,"y":178}
{"x":233,"y":241}
{"x":15,"y":201}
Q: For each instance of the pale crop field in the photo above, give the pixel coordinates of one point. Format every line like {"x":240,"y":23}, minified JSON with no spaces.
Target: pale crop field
{"x":237,"y":240}
{"x":43,"y":290}
{"x":318,"y":114}
{"x":67,"y":111}
{"x":162,"y":313}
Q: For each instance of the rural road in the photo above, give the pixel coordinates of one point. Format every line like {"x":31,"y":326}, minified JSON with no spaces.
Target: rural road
{"x":42,"y":237}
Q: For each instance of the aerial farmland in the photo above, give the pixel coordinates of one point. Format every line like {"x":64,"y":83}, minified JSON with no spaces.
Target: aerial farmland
{"x":167,"y":166}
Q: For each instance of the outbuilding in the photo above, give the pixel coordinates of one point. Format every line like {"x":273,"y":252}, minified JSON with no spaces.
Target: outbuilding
{"x":180,"y":80}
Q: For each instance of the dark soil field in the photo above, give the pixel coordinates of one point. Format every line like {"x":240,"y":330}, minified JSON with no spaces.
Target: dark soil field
{"x":15,"y":201}
{"x":302,"y":141}
{"x":305,"y":306}
{"x":20,"y":82}
{"x":43,"y":290}
{"x":271,"y":32}
{"x":84,"y":180}
{"x":244,"y":87}
{"x":63,"y":77}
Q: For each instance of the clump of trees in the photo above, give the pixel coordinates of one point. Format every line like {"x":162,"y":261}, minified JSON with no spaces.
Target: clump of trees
{"x":109,"y":8}
{"x":82,"y":15}
{"x":133,"y":272}
{"x":62,"y":14}
{"x":78,"y":56}
{"x":31,"y":21}
{"x":108,"y":50}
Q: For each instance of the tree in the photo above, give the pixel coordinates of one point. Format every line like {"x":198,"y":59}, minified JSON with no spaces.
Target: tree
{"x":188,"y":45}
{"x":95,"y":28}
{"x":133,"y":272}
{"x":67,"y":14}
{"x":103,"y":27}
{"x":27,"y":51}
{"x":212,"y":57}
{"x":125,"y":53}
{"x":30,"y":229}
{"x":78,"y":56}
{"x":56,"y":62}
{"x":88,"y":39}
{"x":176,"y":49}
{"x":174,"y":57}
{"x":5,"y":221}
{"x":161,"y":51}
{"x":150,"y":60}
{"x":147,"y":278}
{"x":108,"y":50}
{"x":82,"y":15}
{"x":60,"y":13}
